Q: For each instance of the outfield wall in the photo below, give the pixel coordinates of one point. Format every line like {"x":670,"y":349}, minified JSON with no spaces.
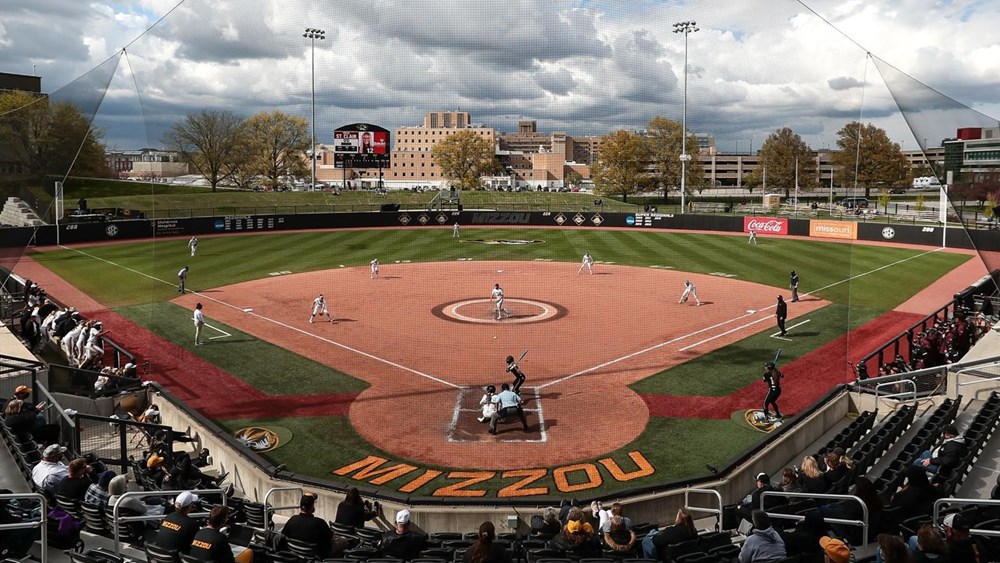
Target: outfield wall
{"x":766,"y":226}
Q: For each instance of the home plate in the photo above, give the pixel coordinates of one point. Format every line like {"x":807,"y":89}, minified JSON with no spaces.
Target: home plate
{"x":248,"y":310}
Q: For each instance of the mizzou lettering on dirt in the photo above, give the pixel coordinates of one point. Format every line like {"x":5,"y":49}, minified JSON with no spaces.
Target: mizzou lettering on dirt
{"x":516,"y":483}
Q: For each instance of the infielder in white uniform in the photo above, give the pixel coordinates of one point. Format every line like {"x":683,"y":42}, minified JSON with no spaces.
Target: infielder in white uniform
{"x":689,"y":291}
{"x":498,"y":298}
{"x":753,"y":237}
{"x":319,"y":308}
{"x":193,"y":244}
{"x":456,"y":231}
{"x":588,"y":263}
{"x":374,"y":265}
{"x":199,"y":323}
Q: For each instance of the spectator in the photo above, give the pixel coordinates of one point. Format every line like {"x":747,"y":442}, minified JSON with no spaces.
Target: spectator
{"x":577,"y":538}
{"x":790,"y":481}
{"x":752,"y":501}
{"x":806,"y":540}
{"x":51,"y":470}
{"x":763,"y":544}
{"x":178,"y":529}
{"x":619,"y":537}
{"x":891,"y":549}
{"x":946,"y":456}
{"x":77,"y":480}
{"x":961,"y":547}
{"x":133,"y":506}
{"x":834,"y":550}
{"x":210,"y":544}
{"x":851,"y":510}
{"x":682,"y":529}
{"x":928,"y":546}
{"x":401,"y":542}
{"x":836,"y":471}
{"x":605,"y":516}
{"x":19,"y":419}
{"x":19,"y":541}
{"x":548,"y":526}
{"x":917,"y":495}
{"x":306,"y":527}
{"x":353,"y":511}
{"x":484,"y":550}
{"x":811,"y":478}
{"x":97,"y":494}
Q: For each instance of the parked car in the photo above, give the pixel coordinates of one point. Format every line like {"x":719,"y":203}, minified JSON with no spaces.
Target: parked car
{"x":854,"y":202}
{"x":900,"y":190}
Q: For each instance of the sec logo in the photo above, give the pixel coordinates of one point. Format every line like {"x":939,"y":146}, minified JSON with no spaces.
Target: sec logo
{"x":111,"y":230}
{"x":888,"y":233}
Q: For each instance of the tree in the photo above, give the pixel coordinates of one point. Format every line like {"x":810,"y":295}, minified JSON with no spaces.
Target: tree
{"x":465,"y":157}
{"x":276,"y":142}
{"x":210,"y":141}
{"x":879,"y":163}
{"x":46,"y":137}
{"x":884,"y":197}
{"x":663,"y":136}
{"x":780,"y":155}
{"x":621,"y":164}
{"x":573,"y":178}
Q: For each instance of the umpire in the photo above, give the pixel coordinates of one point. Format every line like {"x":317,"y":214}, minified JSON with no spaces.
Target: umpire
{"x":772,"y":377}
{"x":508,"y":404}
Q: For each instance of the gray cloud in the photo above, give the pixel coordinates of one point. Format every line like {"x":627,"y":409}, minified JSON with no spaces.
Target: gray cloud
{"x":844,"y":83}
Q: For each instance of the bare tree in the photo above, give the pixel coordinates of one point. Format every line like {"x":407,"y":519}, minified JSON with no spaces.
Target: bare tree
{"x":210,"y":141}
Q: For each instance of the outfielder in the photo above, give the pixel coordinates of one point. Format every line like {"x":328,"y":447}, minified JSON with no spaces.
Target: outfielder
{"x":193,"y":244}
{"x":689,"y":291}
{"x":519,"y":376}
{"x":588,"y":263}
{"x":374,"y":265}
{"x":456,"y":231}
{"x":319,"y":308}
{"x":498,"y":298}
{"x":753,"y":237}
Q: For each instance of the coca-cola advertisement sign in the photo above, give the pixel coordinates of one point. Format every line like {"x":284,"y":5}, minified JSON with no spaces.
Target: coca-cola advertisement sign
{"x":766,"y":225}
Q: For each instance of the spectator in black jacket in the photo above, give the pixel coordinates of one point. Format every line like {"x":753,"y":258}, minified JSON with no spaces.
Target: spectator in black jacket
{"x":804,"y":540}
{"x":210,"y":544}
{"x":752,"y":501}
{"x":484,"y":550}
{"x":946,"y":456}
{"x":682,"y":529}
{"x":548,"y":524}
{"x":402,"y":542}
{"x":306,"y":527}
{"x":811,"y":478}
{"x":577,"y":538}
{"x":178,"y":529}
{"x":353,"y":511}
{"x":75,"y":484}
{"x":917,"y":495}
{"x":961,"y":547}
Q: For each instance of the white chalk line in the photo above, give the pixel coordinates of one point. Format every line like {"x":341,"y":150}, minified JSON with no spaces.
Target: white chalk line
{"x":788,"y":328}
{"x":217,"y":329}
{"x":459,"y":409}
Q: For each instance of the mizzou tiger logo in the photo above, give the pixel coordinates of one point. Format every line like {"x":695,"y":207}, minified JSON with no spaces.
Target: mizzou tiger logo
{"x":258,"y":439}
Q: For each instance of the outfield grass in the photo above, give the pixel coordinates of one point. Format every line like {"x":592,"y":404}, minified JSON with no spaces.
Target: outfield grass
{"x":861,"y":281}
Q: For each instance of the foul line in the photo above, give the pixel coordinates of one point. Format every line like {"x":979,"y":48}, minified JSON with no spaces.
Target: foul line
{"x":217,"y":329}
{"x":279,"y":323}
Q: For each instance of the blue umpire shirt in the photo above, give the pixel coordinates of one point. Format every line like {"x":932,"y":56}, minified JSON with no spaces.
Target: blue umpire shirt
{"x":507,"y":399}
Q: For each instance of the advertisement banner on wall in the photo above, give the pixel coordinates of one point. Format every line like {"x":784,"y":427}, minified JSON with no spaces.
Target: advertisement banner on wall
{"x":766,"y":225}
{"x":833,"y":229}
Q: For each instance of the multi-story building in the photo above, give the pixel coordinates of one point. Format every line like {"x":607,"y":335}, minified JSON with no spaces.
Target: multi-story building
{"x":974,"y":153}
{"x":412,"y":160}
{"x":145,"y":163}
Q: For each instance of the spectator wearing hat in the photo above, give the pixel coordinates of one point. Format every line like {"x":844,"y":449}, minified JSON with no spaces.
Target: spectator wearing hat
{"x":178,"y":529}
{"x":306,"y":527}
{"x":23,"y":393}
{"x":835,"y":551}
{"x":77,"y":481}
{"x":752,"y":501}
{"x":763,"y":544}
{"x":210,"y":544}
{"x":97,"y":494}
{"x":47,"y":473}
{"x":402,"y":542}
{"x":946,"y":456}
{"x":961,"y":547}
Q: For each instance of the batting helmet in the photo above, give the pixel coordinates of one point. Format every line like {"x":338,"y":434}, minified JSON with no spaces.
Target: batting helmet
{"x":510,"y":359}
{"x":491,"y":389}
{"x":769,"y":365}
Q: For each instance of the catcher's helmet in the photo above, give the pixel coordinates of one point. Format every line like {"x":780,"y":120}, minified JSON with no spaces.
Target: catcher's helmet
{"x":491,"y":389}
{"x":510,"y":359}
{"x":769,"y":365}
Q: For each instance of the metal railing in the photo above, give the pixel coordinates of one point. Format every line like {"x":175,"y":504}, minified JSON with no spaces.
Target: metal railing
{"x":966,"y":501}
{"x":926,"y":382}
{"x":42,"y":523}
{"x":114,"y":440}
{"x":864,"y":510}
{"x":716,"y":511}
{"x":116,"y":519}
{"x":268,"y":509}
{"x":902,"y":382}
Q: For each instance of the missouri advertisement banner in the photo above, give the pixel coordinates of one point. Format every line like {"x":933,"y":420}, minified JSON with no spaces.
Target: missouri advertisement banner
{"x":833,"y":229}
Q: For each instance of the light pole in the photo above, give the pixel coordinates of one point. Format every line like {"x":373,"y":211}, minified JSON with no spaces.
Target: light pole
{"x":312,"y":34}
{"x":687,"y":28}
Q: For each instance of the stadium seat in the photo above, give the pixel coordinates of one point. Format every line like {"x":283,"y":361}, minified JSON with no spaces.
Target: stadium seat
{"x":157,"y":554}
{"x":305,"y":550}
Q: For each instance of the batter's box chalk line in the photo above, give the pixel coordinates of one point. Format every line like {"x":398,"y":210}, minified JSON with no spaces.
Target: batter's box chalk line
{"x":467,"y":409}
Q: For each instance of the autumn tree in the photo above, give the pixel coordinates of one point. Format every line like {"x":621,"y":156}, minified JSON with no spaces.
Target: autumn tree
{"x":879,"y":162}
{"x":663,"y":137}
{"x":573,"y":178}
{"x":780,"y":156}
{"x":465,"y":157}
{"x":621,"y":164}
{"x":45,"y":137}
{"x":210,"y":141}
{"x":276,"y":142}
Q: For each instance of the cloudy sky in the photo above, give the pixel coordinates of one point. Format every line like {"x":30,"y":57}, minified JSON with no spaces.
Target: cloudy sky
{"x":580,"y":66}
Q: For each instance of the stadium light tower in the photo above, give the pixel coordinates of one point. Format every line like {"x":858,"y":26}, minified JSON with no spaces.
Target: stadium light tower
{"x":312,"y":34}
{"x":687,"y":28}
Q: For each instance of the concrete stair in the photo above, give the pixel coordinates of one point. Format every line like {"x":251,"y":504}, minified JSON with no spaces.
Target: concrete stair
{"x":16,"y":213}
